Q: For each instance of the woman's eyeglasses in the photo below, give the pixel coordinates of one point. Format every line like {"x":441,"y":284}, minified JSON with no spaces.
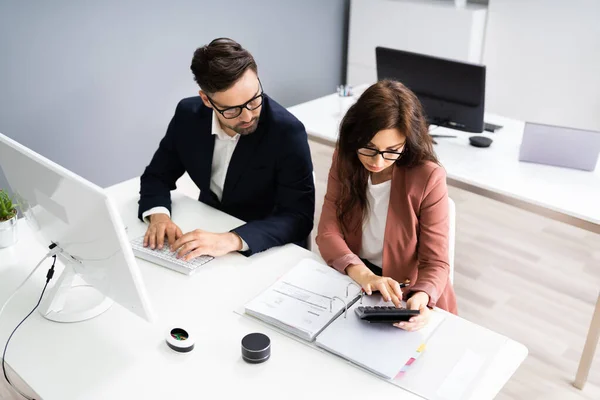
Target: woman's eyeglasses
{"x":386,"y":154}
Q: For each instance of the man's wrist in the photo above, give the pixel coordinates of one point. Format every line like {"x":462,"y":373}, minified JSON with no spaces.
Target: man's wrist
{"x":236,"y":241}
{"x":155,"y":210}
{"x":158,"y":216}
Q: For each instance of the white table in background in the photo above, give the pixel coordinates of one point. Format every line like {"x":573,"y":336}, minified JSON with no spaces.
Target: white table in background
{"x":562,"y":194}
{"x":120,"y":356}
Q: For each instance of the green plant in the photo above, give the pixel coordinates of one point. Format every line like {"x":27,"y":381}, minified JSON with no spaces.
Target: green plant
{"x":7,"y":208}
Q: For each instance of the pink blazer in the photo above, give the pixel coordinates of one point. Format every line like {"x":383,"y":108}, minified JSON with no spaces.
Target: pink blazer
{"x":416,"y":233}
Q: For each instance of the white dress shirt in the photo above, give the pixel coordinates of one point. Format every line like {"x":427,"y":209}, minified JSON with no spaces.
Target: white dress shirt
{"x":224,"y":148}
{"x":222,"y":153}
{"x":378,"y":197}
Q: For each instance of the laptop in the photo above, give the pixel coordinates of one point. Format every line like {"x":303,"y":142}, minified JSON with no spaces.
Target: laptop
{"x":560,"y":146}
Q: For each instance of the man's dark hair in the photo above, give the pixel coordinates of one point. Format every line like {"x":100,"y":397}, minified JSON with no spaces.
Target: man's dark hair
{"x":218,"y":65}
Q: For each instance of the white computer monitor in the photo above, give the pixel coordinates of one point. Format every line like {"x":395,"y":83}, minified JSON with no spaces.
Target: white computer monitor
{"x":79,"y":217}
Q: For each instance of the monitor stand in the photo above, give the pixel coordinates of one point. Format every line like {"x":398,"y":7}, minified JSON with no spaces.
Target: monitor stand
{"x":71,"y":299}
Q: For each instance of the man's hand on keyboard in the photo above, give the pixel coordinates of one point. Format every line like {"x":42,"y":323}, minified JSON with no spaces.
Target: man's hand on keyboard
{"x":161,"y":226}
{"x":197,"y":243}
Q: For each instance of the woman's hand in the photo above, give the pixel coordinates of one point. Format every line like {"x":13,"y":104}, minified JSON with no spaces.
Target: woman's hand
{"x":390,"y":289}
{"x":418,"y":301}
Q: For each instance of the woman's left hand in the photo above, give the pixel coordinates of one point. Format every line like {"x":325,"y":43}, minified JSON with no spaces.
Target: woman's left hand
{"x":418,"y":301}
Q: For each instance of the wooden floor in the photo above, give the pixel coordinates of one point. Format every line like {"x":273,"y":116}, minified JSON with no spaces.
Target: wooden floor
{"x":527,"y":277}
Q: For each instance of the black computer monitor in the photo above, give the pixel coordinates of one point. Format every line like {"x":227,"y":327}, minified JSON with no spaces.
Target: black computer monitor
{"x":452,"y":92}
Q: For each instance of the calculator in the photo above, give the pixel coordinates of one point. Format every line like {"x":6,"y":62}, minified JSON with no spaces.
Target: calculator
{"x":388,"y":314}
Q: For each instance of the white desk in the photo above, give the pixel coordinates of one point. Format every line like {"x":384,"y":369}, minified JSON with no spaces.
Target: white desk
{"x":562,"y":194}
{"x":119,"y":356}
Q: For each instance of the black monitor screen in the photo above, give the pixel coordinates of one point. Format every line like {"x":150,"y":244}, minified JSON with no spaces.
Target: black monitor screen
{"x":451,"y":92}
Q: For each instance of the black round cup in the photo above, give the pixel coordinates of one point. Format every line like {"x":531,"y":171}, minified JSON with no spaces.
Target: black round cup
{"x":256,"y":348}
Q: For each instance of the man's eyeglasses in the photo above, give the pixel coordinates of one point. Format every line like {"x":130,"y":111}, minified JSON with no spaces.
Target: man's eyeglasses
{"x":235,"y":111}
{"x":387,"y":155}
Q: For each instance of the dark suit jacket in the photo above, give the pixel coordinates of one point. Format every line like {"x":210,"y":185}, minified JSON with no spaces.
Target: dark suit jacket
{"x":269,"y":182}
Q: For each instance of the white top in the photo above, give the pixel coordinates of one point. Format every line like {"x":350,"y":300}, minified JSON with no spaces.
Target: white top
{"x":126,"y":357}
{"x":222,"y":153}
{"x":378,"y":197}
{"x":224,"y":148}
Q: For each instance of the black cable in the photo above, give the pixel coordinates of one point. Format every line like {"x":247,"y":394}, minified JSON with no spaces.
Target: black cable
{"x":49,"y":276}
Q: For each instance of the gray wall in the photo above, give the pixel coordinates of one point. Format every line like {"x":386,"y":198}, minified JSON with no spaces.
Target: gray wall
{"x":92,"y":85}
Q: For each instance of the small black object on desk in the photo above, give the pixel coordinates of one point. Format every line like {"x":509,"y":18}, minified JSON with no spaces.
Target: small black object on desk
{"x":480,"y":141}
{"x":256,"y":348}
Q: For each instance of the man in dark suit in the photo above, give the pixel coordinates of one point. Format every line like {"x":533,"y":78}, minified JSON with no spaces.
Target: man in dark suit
{"x":248,"y":155}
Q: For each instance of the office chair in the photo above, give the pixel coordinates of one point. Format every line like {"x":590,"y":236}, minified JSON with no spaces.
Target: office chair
{"x":310,"y":235}
{"x":451,"y":236}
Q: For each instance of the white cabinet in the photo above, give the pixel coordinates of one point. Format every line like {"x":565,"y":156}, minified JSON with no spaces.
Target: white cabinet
{"x":436,"y":28}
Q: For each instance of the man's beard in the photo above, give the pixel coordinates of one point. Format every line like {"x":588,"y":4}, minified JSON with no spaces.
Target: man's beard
{"x":245,"y":131}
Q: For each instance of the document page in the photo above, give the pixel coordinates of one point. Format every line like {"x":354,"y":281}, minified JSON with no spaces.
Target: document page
{"x":305,"y":300}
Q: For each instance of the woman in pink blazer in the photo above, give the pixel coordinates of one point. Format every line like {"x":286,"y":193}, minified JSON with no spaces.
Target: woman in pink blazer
{"x":385,"y":216}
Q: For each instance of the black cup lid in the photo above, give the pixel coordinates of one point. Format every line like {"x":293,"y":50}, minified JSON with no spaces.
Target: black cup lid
{"x":256,"y":342}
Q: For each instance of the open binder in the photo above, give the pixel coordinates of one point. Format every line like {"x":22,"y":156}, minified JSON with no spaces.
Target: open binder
{"x":316,"y":303}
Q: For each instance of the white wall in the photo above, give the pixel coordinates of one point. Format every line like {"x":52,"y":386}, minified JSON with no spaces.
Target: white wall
{"x":543,"y":61}
{"x":455,"y":33}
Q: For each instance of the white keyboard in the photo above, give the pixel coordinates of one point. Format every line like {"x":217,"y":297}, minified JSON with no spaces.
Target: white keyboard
{"x":166,"y":258}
